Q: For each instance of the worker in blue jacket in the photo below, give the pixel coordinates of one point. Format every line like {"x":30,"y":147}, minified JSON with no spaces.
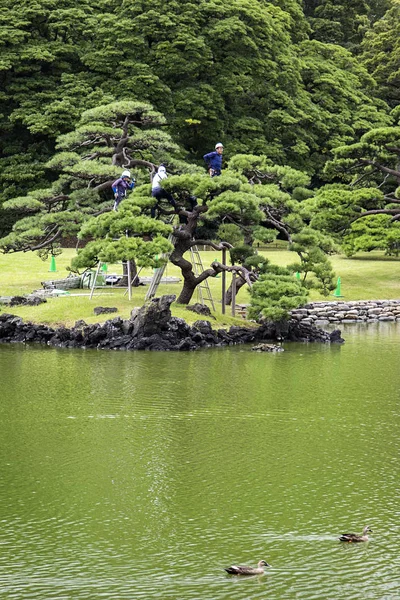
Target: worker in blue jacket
{"x":214,"y":160}
{"x":120,"y":187}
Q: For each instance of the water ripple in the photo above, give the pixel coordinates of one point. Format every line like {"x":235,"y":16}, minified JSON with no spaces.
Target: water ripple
{"x":144,"y":475}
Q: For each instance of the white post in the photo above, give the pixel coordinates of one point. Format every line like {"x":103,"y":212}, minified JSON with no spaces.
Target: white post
{"x":95,"y":279}
{"x":128,"y":266}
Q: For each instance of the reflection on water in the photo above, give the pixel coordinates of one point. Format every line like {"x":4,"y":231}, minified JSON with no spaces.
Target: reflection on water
{"x":142,"y":475}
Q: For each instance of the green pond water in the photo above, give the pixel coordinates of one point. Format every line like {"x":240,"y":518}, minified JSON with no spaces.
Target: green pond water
{"x":143,"y":475}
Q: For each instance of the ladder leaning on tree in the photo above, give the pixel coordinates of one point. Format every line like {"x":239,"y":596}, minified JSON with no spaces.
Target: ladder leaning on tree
{"x":159,"y":272}
{"x":203,"y":289}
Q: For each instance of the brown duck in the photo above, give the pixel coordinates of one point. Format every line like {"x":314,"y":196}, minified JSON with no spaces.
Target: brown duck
{"x":354,"y":537}
{"x":243,"y":570}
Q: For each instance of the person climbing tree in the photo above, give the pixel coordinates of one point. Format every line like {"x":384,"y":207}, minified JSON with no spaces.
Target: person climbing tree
{"x":214,"y":160}
{"x":158,"y":192}
{"x":120,"y":187}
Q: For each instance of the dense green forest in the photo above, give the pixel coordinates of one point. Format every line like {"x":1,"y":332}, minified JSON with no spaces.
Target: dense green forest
{"x":303,"y":95}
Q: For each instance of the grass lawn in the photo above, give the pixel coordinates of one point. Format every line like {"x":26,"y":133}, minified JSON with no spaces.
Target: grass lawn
{"x":367,"y":276}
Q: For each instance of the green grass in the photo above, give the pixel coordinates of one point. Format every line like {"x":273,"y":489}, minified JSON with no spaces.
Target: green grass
{"x":22,"y":273}
{"x":368,"y":276}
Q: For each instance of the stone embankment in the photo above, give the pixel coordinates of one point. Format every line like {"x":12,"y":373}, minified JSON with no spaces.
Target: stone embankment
{"x":338,"y":312}
{"x":152,"y":327}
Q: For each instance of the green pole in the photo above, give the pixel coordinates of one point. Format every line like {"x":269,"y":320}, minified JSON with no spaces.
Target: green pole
{"x":53,"y":265}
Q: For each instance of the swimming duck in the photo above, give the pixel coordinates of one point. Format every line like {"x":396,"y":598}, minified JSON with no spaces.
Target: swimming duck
{"x":243,"y":570}
{"x":353,"y":537}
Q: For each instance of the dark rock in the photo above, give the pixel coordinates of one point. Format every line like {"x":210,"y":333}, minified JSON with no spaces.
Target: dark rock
{"x":79,"y":324}
{"x":8,"y":325}
{"x":153,"y":328}
{"x":104,"y":310}
{"x":63,"y":334}
{"x":197,"y":337}
{"x":200,"y":309}
{"x":95,"y":336}
{"x":154,"y":316}
{"x":157,"y":342}
{"x":224,"y":335}
{"x":120,"y":342}
{"x":267,"y":348}
{"x":30,"y":336}
{"x":336,"y":337}
{"x":127,"y":327}
{"x":5,"y":317}
{"x":179,"y":326}
{"x":203,"y":326}
{"x":306,"y":332}
{"x":116,"y":322}
{"x":242,"y":335}
{"x":44,"y":334}
{"x":186,"y":344}
{"x":211,"y":339}
{"x":26,"y":301}
{"x":78,"y":338}
{"x":140,"y":344}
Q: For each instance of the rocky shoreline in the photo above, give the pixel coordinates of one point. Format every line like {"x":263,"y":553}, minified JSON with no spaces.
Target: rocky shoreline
{"x":357,"y":311}
{"x":152,"y":327}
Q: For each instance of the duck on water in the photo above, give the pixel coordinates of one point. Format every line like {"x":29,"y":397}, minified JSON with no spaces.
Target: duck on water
{"x":354,"y":537}
{"x":244,"y":570}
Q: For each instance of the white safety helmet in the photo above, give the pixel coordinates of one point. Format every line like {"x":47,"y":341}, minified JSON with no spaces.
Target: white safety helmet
{"x":126,"y":174}
{"x":162,"y":169}
{"x":219,"y":145}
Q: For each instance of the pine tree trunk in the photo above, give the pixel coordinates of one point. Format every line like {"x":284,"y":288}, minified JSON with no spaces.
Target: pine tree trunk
{"x":186,"y":293}
{"x":240,"y":282}
{"x":124,"y":280}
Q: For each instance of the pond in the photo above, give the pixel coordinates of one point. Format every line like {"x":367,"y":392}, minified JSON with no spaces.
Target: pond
{"x":142,"y":475}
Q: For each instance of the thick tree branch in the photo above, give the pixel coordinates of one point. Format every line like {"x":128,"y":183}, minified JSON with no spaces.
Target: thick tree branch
{"x":55,"y":199}
{"x":278,"y":225}
{"x":391,"y":200}
{"x":46,"y":242}
{"x":379,"y":211}
{"x":241,"y":271}
{"x":136,"y":162}
{"x":103,"y":186}
{"x":380,"y":167}
{"x":221,"y":246}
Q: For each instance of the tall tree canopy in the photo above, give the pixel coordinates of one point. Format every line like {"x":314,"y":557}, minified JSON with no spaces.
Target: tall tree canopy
{"x":261,"y":199}
{"x":381,"y":55}
{"x":343,"y":22}
{"x":243,"y":71}
{"x":364,"y":208}
{"x":108,"y":138}
{"x":274,"y":80}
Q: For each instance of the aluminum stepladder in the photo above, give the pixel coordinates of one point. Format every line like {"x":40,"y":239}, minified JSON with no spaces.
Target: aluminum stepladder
{"x":130,"y":280}
{"x":159,"y":272}
{"x":203,"y":289}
